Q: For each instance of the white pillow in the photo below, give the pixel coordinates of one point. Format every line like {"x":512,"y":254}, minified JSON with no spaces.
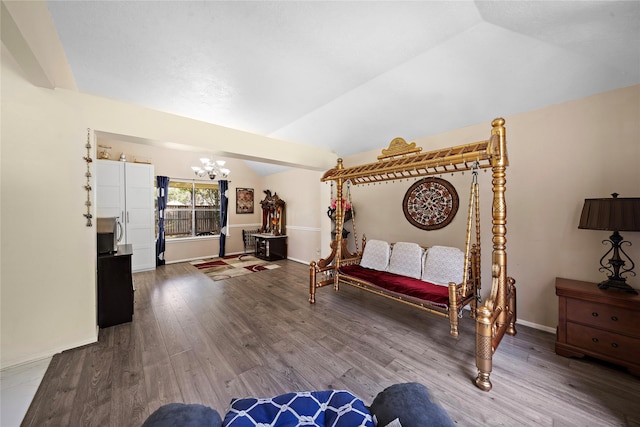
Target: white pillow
{"x":376,"y":255}
{"x":442,"y":265}
{"x":406,"y":259}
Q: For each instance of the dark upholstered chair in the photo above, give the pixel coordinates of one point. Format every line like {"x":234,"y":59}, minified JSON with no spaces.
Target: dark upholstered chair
{"x":183,"y":415}
{"x":408,"y":405}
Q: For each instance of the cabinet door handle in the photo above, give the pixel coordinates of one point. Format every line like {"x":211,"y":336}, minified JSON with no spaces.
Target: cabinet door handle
{"x":594,"y":314}
{"x":614,"y":345}
{"x":120,"y":233}
{"x":595,"y":339}
{"x":614,"y":318}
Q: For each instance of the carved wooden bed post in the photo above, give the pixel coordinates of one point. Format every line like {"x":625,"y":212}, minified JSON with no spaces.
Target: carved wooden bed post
{"x":339,"y":224}
{"x":312,"y":282}
{"x":497,"y":315}
{"x":499,"y":210}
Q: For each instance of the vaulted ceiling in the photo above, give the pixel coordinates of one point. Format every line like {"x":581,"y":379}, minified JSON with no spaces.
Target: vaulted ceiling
{"x":349,"y":76}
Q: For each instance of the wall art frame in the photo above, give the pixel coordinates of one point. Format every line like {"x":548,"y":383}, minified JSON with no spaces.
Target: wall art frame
{"x":244,"y":200}
{"x":430,"y":204}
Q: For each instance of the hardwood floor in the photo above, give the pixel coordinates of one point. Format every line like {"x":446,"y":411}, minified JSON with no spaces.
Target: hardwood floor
{"x":197,"y":341}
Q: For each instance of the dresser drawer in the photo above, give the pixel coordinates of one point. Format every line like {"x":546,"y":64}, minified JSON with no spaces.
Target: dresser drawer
{"x":605,"y":343}
{"x":603,"y":316}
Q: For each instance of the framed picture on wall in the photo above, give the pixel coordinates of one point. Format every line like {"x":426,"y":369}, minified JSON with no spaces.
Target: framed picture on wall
{"x":244,"y":200}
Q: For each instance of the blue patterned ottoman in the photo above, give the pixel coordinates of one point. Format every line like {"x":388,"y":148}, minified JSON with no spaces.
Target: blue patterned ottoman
{"x":335,"y":408}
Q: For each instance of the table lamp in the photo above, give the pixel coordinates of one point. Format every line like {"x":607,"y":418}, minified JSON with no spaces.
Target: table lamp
{"x":613,"y":214}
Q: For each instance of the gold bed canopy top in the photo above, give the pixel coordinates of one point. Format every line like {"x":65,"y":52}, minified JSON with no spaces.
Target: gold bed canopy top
{"x":403,"y":160}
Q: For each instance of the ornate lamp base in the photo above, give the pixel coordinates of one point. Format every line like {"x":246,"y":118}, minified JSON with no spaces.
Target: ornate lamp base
{"x":620,"y":285}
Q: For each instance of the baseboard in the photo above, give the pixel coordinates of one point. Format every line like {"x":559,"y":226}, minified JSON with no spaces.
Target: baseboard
{"x":526,"y":323}
{"x":299,"y":260}
{"x":46,"y":355}
{"x":520,"y":321}
{"x":536,"y":326}
{"x":302,"y":228}
{"x":178,"y":261}
{"x":230,"y":253}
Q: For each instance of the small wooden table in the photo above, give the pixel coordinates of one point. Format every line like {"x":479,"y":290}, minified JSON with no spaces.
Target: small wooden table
{"x":600,"y":323}
{"x":271,"y":247}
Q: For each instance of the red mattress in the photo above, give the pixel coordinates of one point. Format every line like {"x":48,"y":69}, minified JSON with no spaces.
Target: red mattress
{"x":416,"y":288}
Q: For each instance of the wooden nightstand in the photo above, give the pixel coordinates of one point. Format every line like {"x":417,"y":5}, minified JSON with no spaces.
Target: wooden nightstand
{"x":604,"y":324}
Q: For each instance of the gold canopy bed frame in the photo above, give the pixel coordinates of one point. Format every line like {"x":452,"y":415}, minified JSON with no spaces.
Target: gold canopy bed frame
{"x":497,"y":315}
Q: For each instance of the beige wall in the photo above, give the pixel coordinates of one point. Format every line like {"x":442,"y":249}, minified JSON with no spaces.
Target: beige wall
{"x":47,"y":273}
{"x":47,"y":276}
{"x":559,"y":156}
{"x":299,"y":189}
{"x":177,"y":164}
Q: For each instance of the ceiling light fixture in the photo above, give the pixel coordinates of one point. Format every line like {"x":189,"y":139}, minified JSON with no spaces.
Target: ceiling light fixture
{"x":211,"y":169}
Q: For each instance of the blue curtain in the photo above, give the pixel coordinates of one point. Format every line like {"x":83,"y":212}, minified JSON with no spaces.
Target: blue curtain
{"x":163,"y":192}
{"x":224,"y":214}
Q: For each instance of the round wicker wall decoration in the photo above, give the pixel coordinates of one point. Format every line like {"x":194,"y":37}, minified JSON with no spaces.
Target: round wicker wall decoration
{"x":430,"y":204}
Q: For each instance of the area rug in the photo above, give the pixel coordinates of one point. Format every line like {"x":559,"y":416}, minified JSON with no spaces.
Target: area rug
{"x":231,"y":266}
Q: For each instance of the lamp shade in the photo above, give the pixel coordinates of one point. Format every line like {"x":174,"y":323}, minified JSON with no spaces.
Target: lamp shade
{"x":613,"y":214}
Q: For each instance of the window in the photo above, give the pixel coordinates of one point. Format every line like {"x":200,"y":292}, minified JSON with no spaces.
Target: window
{"x":193,"y":209}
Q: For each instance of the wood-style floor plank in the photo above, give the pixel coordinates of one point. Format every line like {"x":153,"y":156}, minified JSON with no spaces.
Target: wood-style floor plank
{"x":194,"y":340}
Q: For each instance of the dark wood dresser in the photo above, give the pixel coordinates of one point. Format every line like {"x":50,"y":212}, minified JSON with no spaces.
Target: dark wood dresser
{"x":115,"y":287}
{"x":604,"y":324}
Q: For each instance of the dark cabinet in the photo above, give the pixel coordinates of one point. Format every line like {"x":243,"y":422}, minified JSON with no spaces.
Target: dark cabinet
{"x":271,"y":248}
{"x":115,"y":287}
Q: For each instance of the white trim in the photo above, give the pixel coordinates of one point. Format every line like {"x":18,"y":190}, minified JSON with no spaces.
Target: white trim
{"x":233,"y":253}
{"x":190,"y":238}
{"x":302,"y":228}
{"x":178,"y":261}
{"x":525,"y":323}
{"x":537,"y":326}
{"x":47,"y":354}
{"x":518,"y":322}
{"x":28,"y":362}
{"x":299,"y":260}
{"x":245,"y":225}
{"x":193,"y":181}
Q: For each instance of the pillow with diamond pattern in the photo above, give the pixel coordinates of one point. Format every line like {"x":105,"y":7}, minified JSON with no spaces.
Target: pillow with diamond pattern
{"x":336,"y":408}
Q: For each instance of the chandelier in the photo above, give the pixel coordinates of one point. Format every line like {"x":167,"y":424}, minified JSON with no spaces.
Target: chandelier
{"x":211,"y":169}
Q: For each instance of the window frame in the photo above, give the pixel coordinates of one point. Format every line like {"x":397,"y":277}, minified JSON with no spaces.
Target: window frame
{"x":193,"y":208}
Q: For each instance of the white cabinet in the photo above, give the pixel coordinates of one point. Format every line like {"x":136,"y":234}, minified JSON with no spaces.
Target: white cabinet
{"x":126,"y":191}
